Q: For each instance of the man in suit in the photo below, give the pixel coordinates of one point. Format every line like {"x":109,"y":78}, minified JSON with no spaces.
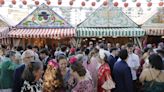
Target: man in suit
{"x":122,"y":74}
{"x":27,"y":57}
{"x":112,"y":58}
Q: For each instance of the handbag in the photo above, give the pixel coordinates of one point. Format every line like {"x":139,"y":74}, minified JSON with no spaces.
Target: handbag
{"x":109,"y":84}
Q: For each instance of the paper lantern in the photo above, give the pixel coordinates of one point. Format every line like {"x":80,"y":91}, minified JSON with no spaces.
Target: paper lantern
{"x":138,"y":4}
{"x":83,"y":3}
{"x":36,"y":2}
{"x":148,"y":0}
{"x":14,"y":2}
{"x":93,"y":3}
{"x":59,"y":2}
{"x":123,"y":0}
{"x":134,"y":0}
{"x":2,"y":2}
{"x":11,"y":6}
{"x":105,"y":3}
{"x":48,"y":2}
{"x":116,"y":4}
{"x":149,"y":4}
{"x":98,"y":0}
{"x":71,"y":2}
{"x":24,"y":2}
{"x":160,"y":3}
{"x":126,"y":4}
{"x":20,"y":6}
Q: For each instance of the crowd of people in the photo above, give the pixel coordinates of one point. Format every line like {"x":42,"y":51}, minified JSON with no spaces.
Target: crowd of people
{"x":102,"y":67}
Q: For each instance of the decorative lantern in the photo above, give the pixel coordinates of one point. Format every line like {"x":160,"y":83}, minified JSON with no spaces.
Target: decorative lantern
{"x":24,"y":2}
{"x":105,"y":3}
{"x":134,"y":0}
{"x":14,"y":2}
{"x":59,"y":2}
{"x":2,"y":2}
{"x":126,"y":4}
{"x":93,"y":3}
{"x":149,"y":4}
{"x":11,"y":6}
{"x":71,"y":2}
{"x":36,"y":2}
{"x":83,"y":3}
{"x":148,"y":0}
{"x":123,"y":0}
{"x":48,"y":2}
{"x":98,"y":0}
{"x":116,"y":4}
{"x":138,"y":4}
{"x":20,"y":6}
{"x":160,"y":3}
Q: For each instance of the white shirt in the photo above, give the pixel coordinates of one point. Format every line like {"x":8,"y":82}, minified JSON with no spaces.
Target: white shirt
{"x":134,"y":63}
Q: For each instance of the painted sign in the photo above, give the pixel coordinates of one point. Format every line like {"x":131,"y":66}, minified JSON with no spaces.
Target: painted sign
{"x":43,"y":17}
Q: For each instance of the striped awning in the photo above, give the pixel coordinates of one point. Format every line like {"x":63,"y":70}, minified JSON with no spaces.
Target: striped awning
{"x":110,"y":32}
{"x":42,"y":33}
{"x":3,"y":32}
{"x":154,"y":31}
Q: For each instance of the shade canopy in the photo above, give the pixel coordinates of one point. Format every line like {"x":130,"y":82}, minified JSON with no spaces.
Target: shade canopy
{"x":110,"y":32}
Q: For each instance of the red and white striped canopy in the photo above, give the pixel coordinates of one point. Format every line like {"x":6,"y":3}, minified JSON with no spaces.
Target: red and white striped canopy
{"x":42,"y":33}
{"x":155,"y":31}
{"x":3,"y":32}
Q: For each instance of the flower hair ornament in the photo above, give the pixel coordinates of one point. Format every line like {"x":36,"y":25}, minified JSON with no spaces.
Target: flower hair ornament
{"x":72,"y":60}
{"x":53,"y":63}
